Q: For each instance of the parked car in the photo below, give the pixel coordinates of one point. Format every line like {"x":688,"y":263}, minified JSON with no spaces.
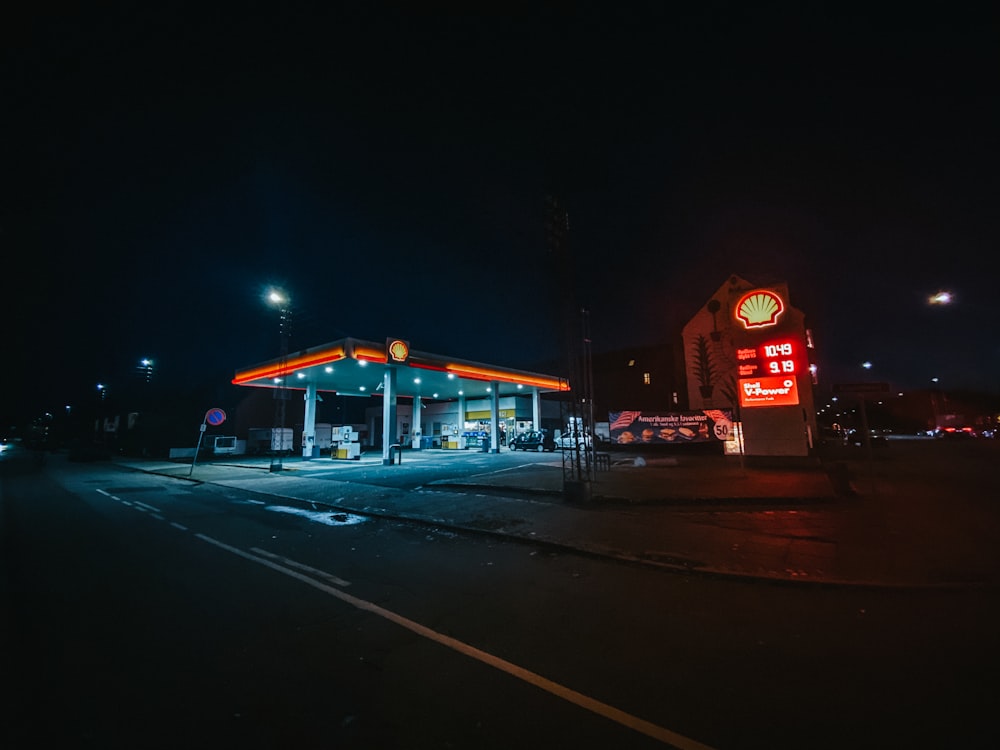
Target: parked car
{"x":571,"y":439}
{"x":532,"y":440}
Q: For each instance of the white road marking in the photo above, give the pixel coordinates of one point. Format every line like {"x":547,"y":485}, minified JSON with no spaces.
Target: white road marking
{"x":113,"y":497}
{"x":635,"y":723}
{"x":642,"y":726}
{"x":150,"y":508}
{"x":141,"y":506}
{"x":301,"y":566}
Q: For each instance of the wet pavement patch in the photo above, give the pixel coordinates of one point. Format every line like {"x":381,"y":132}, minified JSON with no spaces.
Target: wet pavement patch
{"x":324,"y":517}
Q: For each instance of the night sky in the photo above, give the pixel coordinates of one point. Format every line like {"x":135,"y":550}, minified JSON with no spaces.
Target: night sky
{"x":387,"y":165}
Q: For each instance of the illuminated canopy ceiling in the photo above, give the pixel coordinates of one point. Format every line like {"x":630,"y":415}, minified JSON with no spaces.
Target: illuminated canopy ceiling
{"x":353,"y":367}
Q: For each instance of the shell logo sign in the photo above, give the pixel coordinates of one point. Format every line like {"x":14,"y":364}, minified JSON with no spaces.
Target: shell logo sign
{"x":397,"y":350}
{"x":759,"y":308}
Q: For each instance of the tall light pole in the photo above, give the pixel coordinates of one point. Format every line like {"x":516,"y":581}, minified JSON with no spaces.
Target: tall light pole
{"x":281,"y":301}
{"x":102,"y":391}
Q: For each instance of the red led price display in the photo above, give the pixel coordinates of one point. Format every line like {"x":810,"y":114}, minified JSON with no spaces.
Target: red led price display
{"x":778,"y":358}
{"x":767,"y":373}
{"x":773,"y":358}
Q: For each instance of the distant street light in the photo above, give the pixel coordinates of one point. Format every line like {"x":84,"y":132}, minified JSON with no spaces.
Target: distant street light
{"x":101,"y":426}
{"x":939,"y":402}
{"x":941,"y":298}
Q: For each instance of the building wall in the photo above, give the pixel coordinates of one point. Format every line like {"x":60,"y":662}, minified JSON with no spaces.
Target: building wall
{"x":649,"y":378}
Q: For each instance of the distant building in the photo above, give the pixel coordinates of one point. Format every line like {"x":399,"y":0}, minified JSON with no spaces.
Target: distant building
{"x":650,"y":378}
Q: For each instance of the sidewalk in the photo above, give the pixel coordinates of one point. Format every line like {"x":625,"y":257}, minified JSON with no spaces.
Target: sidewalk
{"x":710,"y":516}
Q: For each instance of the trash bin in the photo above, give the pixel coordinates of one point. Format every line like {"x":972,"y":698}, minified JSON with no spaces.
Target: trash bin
{"x":427,"y":441}
{"x":485,"y":442}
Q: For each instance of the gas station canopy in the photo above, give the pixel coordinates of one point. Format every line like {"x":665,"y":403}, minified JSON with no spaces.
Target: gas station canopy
{"x":352,"y":367}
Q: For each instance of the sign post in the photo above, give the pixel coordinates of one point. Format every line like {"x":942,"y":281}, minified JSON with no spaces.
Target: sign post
{"x":213,"y":417}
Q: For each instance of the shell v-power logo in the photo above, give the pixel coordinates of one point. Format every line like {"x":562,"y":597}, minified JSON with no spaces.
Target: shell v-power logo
{"x":759,"y":308}
{"x":397,"y":350}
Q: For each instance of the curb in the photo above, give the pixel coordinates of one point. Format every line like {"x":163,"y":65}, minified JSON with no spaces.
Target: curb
{"x":667,"y":563}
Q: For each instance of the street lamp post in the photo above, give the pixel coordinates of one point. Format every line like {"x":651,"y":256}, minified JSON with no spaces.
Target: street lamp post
{"x":280,"y":300}
{"x":102,"y":391}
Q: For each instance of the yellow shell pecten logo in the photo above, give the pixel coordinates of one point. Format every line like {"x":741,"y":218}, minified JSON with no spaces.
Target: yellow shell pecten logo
{"x":399,"y":351}
{"x":759,"y":308}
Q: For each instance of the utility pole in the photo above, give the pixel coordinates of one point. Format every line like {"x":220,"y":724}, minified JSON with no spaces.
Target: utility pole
{"x":577,"y":460}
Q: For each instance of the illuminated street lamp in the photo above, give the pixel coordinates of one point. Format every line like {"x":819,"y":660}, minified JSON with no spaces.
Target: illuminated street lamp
{"x":278,"y":298}
{"x":100,"y":427}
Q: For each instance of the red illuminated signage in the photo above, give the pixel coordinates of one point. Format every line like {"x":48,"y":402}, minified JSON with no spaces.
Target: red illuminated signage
{"x":769,"y":391}
{"x":759,"y":308}
{"x":767,"y":373}
{"x":780,"y":357}
{"x":397,"y":350}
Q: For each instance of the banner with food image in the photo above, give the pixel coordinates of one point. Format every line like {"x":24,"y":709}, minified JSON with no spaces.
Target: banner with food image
{"x":652,"y":427}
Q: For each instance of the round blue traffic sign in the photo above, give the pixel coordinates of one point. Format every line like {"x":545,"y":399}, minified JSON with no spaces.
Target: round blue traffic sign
{"x":215,"y":416}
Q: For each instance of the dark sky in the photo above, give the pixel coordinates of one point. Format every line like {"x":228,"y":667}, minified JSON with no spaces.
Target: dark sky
{"x":387,"y":164}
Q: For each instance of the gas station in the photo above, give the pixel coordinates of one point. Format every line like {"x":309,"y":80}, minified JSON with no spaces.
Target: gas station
{"x":393,"y":371}
{"x":747,"y":358}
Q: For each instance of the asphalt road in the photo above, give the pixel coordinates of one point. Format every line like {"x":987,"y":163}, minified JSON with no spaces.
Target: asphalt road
{"x":144,"y":611}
